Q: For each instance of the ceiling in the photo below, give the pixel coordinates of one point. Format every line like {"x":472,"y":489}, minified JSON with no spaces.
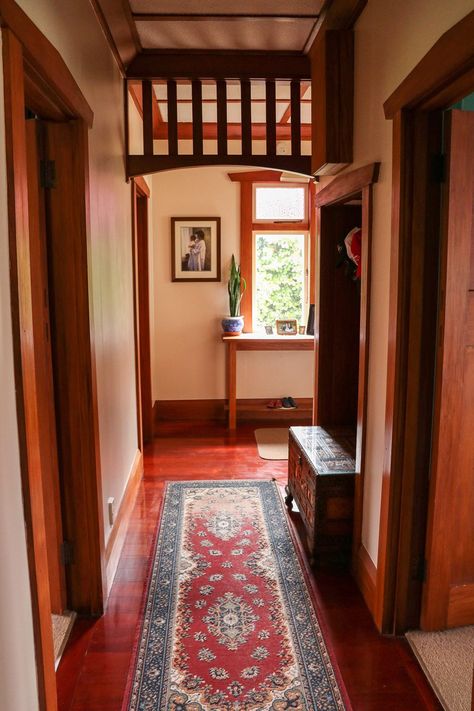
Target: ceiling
{"x":210,"y":25}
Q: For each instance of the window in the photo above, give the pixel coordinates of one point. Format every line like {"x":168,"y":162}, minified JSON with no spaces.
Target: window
{"x":280,"y":278}
{"x":286,"y":204}
{"x":277,"y":245}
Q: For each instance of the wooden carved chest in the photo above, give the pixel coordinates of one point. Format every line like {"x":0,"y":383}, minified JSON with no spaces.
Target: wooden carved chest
{"x":321,"y":472}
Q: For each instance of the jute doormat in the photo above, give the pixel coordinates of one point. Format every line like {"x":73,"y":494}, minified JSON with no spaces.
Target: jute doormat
{"x":447,"y":659}
{"x":228,"y":620}
{"x":62,"y":626}
{"x":272,"y":442}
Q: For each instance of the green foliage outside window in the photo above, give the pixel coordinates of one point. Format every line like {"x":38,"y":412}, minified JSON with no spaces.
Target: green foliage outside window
{"x":279,"y":280}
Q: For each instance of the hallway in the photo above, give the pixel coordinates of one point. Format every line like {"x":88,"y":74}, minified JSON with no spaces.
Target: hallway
{"x":379,"y":673}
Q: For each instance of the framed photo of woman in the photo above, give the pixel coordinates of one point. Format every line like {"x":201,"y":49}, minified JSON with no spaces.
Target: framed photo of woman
{"x":196,"y":248}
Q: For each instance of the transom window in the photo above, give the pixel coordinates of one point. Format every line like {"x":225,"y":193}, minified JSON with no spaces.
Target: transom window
{"x":283,"y":203}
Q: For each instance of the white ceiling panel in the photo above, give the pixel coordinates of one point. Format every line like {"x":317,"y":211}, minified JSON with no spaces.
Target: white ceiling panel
{"x":262,"y":34}
{"x":208,"y":7}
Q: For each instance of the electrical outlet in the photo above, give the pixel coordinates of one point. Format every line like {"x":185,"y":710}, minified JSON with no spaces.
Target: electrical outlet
{"x":111,"y":509}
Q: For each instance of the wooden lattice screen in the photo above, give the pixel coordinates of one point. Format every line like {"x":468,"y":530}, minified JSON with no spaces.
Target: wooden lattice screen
{"x":166,"y":154}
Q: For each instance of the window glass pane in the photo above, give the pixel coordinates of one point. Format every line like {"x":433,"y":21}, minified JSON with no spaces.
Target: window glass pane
{"x":279,"y":203}
{"x":279,"y":278}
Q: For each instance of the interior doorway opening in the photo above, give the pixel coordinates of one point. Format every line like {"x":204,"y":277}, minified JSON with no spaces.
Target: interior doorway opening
{"x":342,"y":318}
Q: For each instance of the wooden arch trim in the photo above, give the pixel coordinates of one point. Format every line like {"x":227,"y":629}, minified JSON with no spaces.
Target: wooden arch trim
{"x":41,"y":58}
{"x":442,"y":77}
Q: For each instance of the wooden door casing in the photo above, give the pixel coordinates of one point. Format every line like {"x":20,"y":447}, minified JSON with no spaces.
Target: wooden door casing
{"x":448,"y":595}
{"x":43,"y":357}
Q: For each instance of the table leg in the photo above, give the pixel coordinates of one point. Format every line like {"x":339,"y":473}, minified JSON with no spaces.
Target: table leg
{"x":232,"y":384}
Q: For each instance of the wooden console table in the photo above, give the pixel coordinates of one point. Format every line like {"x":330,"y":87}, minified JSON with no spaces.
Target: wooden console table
{"x":255,"y":342}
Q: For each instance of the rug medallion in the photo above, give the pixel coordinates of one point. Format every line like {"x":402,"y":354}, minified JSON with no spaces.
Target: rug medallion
{"x":228,"y":622}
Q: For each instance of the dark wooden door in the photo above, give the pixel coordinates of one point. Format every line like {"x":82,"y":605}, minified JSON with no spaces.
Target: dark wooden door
{"x":43,"y":364}
{"x":448,"y":595}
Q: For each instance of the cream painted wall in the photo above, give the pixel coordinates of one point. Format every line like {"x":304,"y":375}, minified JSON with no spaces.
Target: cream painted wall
{"x":73,"y":29}
{"x":188,"y":358}
{"x":17,"y":659}
{"x":390,"y":38}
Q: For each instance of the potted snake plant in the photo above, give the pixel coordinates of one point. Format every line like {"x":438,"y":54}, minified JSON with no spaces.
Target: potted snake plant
{"x":233,"y":324}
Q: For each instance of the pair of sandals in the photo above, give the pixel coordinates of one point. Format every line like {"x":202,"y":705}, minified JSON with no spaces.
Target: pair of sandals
{"x":286,"y":403}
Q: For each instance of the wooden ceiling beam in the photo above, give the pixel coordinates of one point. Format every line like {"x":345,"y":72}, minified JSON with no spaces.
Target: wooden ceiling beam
{"x":219,"y":65}
{"x":336,"y":15}
{"x":118,"y":26}
{"x":224,"y":16}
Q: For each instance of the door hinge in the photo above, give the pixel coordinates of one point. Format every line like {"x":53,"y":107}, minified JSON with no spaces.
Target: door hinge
{"x":48,"y":174}
{"x":439,"y":168}
{"x":67,"y":553}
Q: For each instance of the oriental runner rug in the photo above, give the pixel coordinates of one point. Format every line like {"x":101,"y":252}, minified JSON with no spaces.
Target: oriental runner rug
{"x":228,"y":622}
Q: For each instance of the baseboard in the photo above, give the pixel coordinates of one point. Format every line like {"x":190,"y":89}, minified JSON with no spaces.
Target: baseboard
{"x":117,"y":535}
{"x":216,"y":410}
{"x":169,"y":410}
{"x":365,"y":574}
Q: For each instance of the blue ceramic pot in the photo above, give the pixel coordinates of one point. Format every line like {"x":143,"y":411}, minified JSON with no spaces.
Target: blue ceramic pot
{"x":232,"y":325}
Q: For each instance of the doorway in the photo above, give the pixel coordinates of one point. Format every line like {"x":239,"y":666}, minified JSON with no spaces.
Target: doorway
{"x":342,"y":318}
{"x":54,"y":358}
{"x":141,"y":296}
{"x":415,"y":433}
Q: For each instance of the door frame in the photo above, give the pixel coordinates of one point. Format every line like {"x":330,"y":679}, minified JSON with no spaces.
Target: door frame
{"x":35,"y":74}
{"x":141,"y":302}
{"x":338,"y":191}
{"x":442,"y":77}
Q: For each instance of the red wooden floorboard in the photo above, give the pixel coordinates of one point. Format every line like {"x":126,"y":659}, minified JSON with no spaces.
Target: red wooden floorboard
{"x":379,"y":673}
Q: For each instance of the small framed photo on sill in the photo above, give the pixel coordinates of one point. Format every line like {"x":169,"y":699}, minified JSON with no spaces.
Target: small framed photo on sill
{"x":196,"y":248}
{"x":287,"y":327}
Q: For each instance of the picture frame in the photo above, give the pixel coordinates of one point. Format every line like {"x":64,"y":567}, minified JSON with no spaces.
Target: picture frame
{"x":287,"y":327}
{"x":195,"y":249}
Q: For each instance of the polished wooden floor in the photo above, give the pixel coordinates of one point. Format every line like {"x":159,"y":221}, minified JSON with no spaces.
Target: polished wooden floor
{"x":380,"y":674}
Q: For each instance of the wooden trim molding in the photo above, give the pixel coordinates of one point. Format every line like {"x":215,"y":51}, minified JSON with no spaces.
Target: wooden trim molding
{"x":442,"y":77}
{"x":25,"y":370}
{"x":248,"y":409}
{"x":119,"y":29}
{"x":45,"y":60}
{"x":365,"y":574}
{"x":248,"y":226}
{"x":341,"y":189}
{"x":34,"y":73}
{"x":253,"y":176}
{"x":117,"y":535}
{"x":348,"y":184}
{"x":142,"y":185}
{"x":219,"y":65}
{"x":444,"y":74}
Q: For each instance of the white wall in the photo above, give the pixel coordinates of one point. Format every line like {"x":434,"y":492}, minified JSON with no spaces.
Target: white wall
{"x":188,"y":357}
{"x":390,"y":38}
{"x":17,"y":662}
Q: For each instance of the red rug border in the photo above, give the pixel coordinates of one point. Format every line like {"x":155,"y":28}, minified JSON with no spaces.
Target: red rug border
{"x":305,"y":568}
